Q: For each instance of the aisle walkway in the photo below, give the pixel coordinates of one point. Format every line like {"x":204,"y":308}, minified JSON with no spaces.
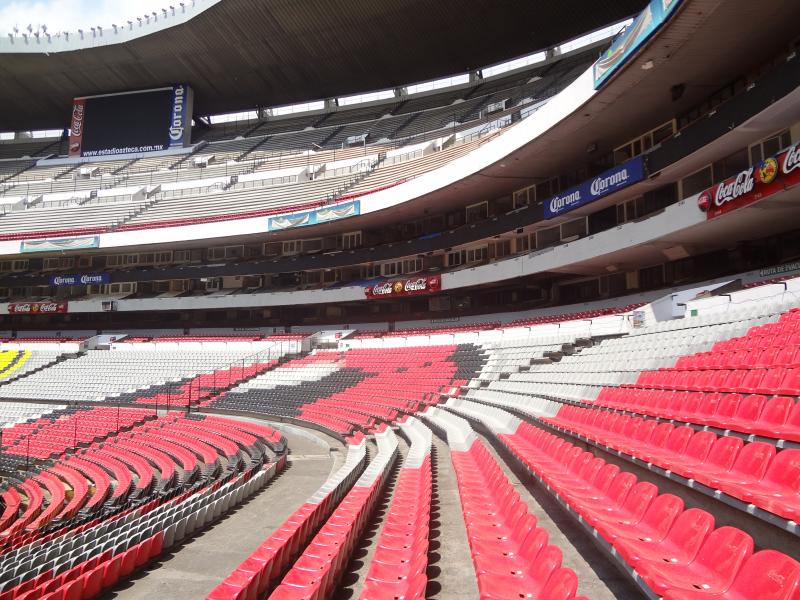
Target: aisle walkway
{"x":194,"y":569}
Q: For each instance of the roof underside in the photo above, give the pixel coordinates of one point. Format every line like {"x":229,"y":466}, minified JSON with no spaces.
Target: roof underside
{"x":241,"y":54}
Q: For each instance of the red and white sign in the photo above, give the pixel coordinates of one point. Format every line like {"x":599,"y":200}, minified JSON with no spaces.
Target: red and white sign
{"x":405,"y":287}
{"x":76,"y":126}
{"x":37,"y":308}
{"x":751,"y":185}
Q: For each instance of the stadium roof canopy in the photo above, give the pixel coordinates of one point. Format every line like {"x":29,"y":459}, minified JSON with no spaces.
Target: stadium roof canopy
{"x":242,"y":54}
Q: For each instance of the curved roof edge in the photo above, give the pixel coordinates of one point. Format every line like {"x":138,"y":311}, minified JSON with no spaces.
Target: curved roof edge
{"x":95,"y":37}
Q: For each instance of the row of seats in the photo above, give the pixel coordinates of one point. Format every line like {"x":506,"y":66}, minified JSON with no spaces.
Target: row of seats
{"x":397,"y":569}
{"x":676,"y":552}
{"x":321,"y":565}
{"x":346,"y":391}
{"x":232,"y":201}
{"x":100,"y":374}
{"x":777,"y":417}
{"x":444,"y":329}
{"x":582,"y":315}
{"x":153,"y":458}
{"x":263,"y":568}
{"x":511,"y":555}
{"x":752,"y":472}
{"x":82,"y":565}
{"x":52,"y":434}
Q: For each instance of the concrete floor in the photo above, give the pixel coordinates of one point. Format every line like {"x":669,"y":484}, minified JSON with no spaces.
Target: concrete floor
{"x":192,"y":570}
{"x":450,"y":571}
{"x":598,"y":577}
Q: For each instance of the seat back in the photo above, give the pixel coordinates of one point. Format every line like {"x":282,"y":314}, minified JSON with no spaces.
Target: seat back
{"x":753,"y":459}
{"x":700,"y":445}
{"x":784,"y":469}
{"x":724,"y":551}
{"x":768,"y":575}
{"x":690,"y":530}
{"x":661,"y":514}
{"x":562,"y":585}
{"x":724,"y":451}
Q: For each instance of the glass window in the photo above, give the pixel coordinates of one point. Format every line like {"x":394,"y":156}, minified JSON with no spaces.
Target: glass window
{"x":437,"y":84}
{"x":517,"y":63}
{"x":697,"y":182}
{"x":247,"y":115}
{"x":298,"y":108}
{"x":370,"y":97}
{"x":573,"y":228}
{"x":594,"y":36}
{"x":548,"y":237}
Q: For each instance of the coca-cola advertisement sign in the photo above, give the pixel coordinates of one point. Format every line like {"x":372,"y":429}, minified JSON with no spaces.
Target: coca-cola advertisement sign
{"x":76,"y":126}
{"x":405,"y":287}
{"x":751,"y":185}
{"x":37,"y":308}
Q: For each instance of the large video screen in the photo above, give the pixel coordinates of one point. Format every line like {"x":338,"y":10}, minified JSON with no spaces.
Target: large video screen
{"x":131,"y":123}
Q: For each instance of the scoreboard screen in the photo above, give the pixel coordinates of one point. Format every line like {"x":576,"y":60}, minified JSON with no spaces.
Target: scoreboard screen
{"x":131,"y":122}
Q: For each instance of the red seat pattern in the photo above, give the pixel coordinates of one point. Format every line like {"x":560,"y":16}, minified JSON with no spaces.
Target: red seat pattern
{"x":511,"y":556}
{"x":49,"y":437}
{"x":691,"y":556}
{"x":766,"y":575}
{"x":751,"y":472}
{"x":398,"y":565}
{"x":316,"y":572}
{"x":745,"y":384}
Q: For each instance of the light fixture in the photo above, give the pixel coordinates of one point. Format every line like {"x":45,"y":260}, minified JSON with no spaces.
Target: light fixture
{"x":647,"y":65}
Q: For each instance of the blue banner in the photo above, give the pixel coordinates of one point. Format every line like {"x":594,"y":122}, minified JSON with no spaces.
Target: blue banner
{"x":87,"y":279}
{"x":644,"y":25}
{"x":606,"y":183}
{"x":315,"y":217}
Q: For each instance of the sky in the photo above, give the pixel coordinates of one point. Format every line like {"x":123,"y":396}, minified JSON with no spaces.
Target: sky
{"x":71,"y":15}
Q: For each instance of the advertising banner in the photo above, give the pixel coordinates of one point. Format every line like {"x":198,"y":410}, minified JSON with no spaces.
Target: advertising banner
{"x":405,"y":287}
{"x":772,"y":175}
{"x":76,"y":126}
{"x":315,"y":217}
{"x":131,"y":122}
{"x":88,"y":279}
{"x":179,"y":111}
{"x":59,"y":245}
{"x":616,"y":178}
{"x":38,"y":308}
{"x":644,"y":25}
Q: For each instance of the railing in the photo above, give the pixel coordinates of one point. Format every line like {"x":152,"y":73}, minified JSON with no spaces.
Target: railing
{"x":280,"y":349}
